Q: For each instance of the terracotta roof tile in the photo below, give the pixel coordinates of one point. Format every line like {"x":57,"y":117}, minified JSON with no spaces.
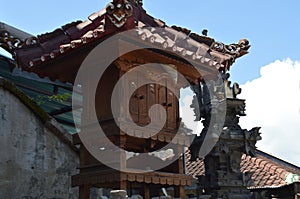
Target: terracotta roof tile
{"x":244,"y":156}
{"x":273,"y":170}
{"x":257,"y":161}
{"x":268,"y":166}
{"x":262,"y":164}
{"x":267,"y":170}
{"x":195,"y":168}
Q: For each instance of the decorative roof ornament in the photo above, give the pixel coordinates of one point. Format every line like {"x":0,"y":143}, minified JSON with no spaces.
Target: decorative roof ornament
{"x":118,"y":11}
{"x":237,"y":50}
{"x":9,"y":42}
{"x":231,"y":91}
{"x":137,"y":2}
{"x":204,"y":32}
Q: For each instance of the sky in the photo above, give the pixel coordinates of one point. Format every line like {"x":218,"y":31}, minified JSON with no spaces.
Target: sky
{"x":269,"y":75}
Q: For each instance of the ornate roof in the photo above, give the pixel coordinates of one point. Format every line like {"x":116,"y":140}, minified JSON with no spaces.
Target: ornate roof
{"x":33,"y":53}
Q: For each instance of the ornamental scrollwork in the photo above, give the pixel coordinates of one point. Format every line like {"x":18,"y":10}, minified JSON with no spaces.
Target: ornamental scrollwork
{"x":236,"y":50}
{"x":8,"y":42}
{"x":118,"y":11}
{"x":139,"y":2}
{"x":11,"y":43}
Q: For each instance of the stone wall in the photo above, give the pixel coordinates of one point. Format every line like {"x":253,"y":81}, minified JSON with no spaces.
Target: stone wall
{"x":36,"y":160}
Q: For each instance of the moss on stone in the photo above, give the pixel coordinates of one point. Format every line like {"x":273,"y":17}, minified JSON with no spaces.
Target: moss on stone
{"x":25,"y":99}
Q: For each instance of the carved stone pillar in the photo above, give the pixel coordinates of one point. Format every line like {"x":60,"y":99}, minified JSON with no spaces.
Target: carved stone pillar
{"x":223,"y":177}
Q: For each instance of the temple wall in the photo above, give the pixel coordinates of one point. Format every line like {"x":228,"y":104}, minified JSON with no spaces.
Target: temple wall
{"x":35,"y":163}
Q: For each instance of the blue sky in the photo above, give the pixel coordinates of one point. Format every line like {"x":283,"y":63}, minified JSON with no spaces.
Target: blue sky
{"x":271,"y":26}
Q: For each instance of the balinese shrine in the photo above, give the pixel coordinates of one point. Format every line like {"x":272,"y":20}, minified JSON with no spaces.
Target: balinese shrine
{"x":123,"y":140}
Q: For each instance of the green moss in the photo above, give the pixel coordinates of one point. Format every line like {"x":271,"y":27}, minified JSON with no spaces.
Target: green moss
{"x":60,"y":98}
{"x":25,"y":99}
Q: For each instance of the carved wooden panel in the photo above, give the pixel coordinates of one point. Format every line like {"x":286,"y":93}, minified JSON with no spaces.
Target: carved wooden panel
{"x":148,"y":95}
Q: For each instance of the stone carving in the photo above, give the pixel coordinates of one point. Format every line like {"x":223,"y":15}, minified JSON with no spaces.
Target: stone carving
{"x":202,"y":108}
{"x":118,"y":11}
{"x":222,"y":164}
{"x":207,"y":106}
{"x":251,"y":137}
{"x":235,"y":161}
{"x":236,"y":50}
{"x":231,"y":92}
{"x":210,"y":94}
{"x":247,"y":180}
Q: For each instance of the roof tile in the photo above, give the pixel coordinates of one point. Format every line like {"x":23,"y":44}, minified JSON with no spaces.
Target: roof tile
{"x":267,"y":170}
{"x":262,"y":164}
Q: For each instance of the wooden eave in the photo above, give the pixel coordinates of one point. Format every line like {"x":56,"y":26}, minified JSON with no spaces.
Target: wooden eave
{"x":65,"y":67}
{"x":105,"y":177}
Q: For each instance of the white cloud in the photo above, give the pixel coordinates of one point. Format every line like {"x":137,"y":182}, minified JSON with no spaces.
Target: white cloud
{"x":273,"y":102}
{"x":186,"y":112}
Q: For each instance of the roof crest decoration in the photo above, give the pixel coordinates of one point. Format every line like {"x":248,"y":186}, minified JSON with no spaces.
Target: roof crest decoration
{"x":11,"y":43}
{"x":8,"y":42}
{"x":237,"y":50}
{"x":137,"y":2}
{"x":118,"y":11}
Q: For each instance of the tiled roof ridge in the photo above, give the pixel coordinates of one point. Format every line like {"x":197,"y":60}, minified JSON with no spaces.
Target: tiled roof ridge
{"x":265,"y":171}
{"x":90,"y":30}
{"x":286,"y":170}
{"x":268,"y":166}
{"x":90,"y":36}
{"x":278,"y":160}
{"x":48,"y":35}
{"x":78,"y":33}
{"x":195,"y":36}
{"x":260,"y":175}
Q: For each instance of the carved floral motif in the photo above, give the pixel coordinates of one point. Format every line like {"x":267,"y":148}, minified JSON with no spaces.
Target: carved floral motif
{"x":118,"y":11}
